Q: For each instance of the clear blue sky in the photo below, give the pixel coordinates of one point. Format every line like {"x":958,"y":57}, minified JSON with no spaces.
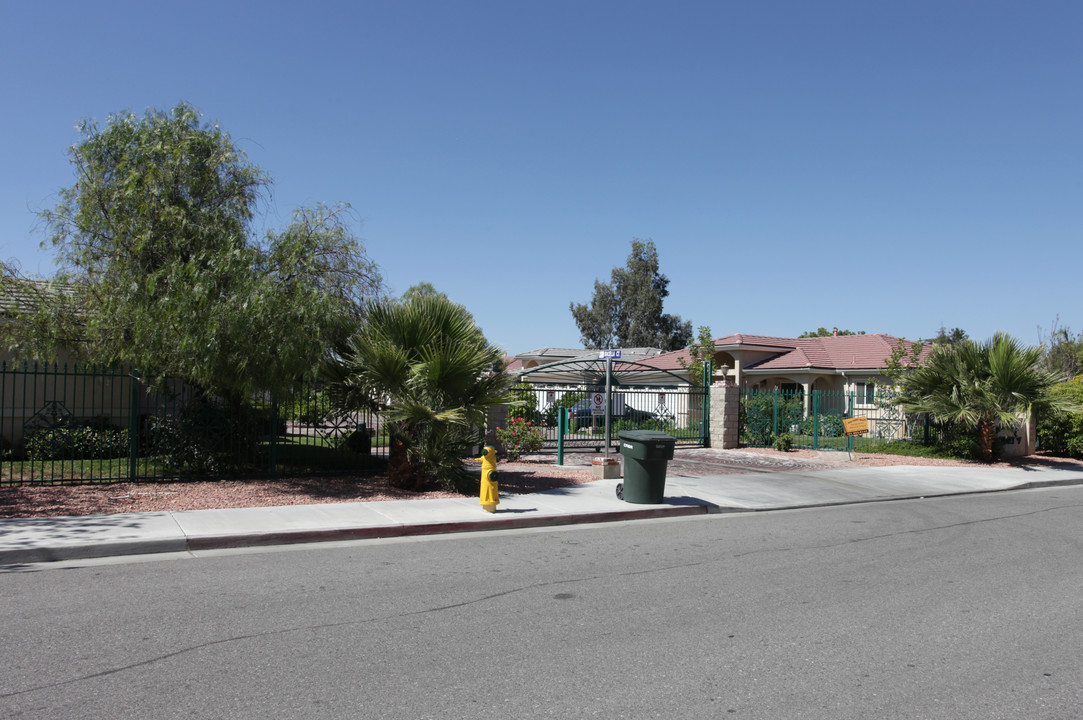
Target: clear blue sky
{"x":887,"y":167}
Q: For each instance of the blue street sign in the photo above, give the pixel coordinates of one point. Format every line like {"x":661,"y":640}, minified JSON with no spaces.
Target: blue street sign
{"x":608,"y":354}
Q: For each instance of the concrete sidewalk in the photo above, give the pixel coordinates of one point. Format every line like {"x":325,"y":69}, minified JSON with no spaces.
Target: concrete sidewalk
{"x":28,"y":540}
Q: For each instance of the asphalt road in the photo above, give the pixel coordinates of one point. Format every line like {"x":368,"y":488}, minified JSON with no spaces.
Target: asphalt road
{"x":967,"y":607}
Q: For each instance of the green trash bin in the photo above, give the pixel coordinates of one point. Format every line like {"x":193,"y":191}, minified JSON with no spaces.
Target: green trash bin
{"x":646,"y":454}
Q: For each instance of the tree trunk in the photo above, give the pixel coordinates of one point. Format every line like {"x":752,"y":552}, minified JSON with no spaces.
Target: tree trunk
{"x":986,"y":435}
{"x":402,"y":473}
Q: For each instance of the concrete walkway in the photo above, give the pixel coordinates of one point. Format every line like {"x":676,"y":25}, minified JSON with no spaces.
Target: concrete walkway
{"x":27,"y":540}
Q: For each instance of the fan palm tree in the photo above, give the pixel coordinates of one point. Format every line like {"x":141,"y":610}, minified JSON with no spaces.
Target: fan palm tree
{"x":979,"y":385}
{"x":425,"y":366}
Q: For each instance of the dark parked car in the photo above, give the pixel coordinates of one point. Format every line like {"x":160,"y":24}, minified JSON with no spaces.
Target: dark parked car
{"x":581,"y":415}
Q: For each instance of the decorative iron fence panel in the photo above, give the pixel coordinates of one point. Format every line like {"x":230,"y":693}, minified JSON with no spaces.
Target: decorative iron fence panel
{"x":64,"y":424}
{"x":680,"y":411}
{"x":815,"y":420}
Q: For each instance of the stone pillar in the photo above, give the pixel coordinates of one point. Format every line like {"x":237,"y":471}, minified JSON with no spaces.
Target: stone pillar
{"x":725,"y":411}
{"x":496,"y":417}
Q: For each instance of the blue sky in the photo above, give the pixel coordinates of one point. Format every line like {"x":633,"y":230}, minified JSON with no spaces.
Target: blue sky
{"x":887,"y":167}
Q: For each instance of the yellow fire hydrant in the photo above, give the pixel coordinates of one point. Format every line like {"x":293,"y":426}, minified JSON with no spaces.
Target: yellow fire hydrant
{"x":490,"y":493}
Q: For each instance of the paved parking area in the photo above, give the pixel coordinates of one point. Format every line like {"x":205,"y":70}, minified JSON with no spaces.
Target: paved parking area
{"x":701,"y":462}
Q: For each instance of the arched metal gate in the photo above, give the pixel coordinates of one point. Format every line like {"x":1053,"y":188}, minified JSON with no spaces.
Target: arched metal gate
{"x":642,"y":397}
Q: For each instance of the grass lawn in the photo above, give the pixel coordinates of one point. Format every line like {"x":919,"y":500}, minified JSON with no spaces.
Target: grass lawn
{"x":95,"y":470}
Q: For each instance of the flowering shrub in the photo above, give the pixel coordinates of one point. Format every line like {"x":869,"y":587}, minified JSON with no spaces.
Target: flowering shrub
{"x":520,"y":436}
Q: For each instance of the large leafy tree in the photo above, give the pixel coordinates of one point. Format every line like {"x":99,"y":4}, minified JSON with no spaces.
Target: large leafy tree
{"x":1063,"y":350}
{"x":699,"y":353}
{"x":948,"y":337}
{"x":160,"y":268}
{"x":979,"y":385}
{"x":627,"y":312}
{"x":423,"y":364}
{"x":824,"y":332}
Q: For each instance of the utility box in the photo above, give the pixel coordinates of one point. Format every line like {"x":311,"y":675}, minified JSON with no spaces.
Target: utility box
{"x":646,"y":455}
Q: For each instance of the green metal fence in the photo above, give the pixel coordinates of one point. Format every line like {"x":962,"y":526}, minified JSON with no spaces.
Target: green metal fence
{"x":815,"y":420}
{"x":681,"y":411}
{"x":63,"y":424}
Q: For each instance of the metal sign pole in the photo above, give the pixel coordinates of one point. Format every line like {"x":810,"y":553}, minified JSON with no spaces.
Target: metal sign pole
{"x":608,"y":356}
{"x":608,"y":402}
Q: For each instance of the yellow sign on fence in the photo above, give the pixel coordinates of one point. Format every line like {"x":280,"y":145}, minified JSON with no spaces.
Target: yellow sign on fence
{"x":855,"y":426}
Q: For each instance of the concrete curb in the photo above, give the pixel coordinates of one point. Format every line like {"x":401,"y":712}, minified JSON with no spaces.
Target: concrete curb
{"x":184,"y":543}
{"x":54,"y":553}
{"x":1034,"y":485}
{"x":213,"y":542}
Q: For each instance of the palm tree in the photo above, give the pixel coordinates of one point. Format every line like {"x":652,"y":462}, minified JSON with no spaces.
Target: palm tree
{"x":425,"y":366}
{"x":979,"y":385}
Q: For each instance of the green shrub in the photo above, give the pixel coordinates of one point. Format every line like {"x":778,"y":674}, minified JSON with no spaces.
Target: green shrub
{"x":830,"y":426}
{"x":761,"y":410}
{"x":71,"y":441}
{"x":784,"y":442}
{"x":648,"y":424}
{"x":960,"y":442}
{"x":306,"y":407}
{"x":196,"y":440}
{"x":949,"y":441}
{"x":1059,"y":432}
{"x":567,"y":400}
{"x":357,"y":441}
{"x":527,"y":403}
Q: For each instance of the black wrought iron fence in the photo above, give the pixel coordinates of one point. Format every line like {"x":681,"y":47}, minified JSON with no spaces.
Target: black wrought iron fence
{"x":63,"y":424}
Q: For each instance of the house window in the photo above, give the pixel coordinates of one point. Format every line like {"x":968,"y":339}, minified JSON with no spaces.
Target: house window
{"x":864,"y":394}
{"x":791,"y":390}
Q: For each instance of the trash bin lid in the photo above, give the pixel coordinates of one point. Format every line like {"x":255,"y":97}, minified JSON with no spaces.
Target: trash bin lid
{"x":646,"y":436}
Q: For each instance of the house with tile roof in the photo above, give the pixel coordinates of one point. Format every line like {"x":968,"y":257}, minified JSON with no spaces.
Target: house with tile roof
{"x":838,"y":362}
{"x":842,"y":370}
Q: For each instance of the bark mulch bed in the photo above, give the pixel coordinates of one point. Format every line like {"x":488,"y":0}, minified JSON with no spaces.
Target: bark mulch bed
{"x":122,"y":497}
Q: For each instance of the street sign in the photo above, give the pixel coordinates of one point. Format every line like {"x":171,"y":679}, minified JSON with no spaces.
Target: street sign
{"x":597,"y":404}
{"x":604,"y":354}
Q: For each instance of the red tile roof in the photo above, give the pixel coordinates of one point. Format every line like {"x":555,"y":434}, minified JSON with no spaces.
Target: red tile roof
{"x":841,"y":352}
